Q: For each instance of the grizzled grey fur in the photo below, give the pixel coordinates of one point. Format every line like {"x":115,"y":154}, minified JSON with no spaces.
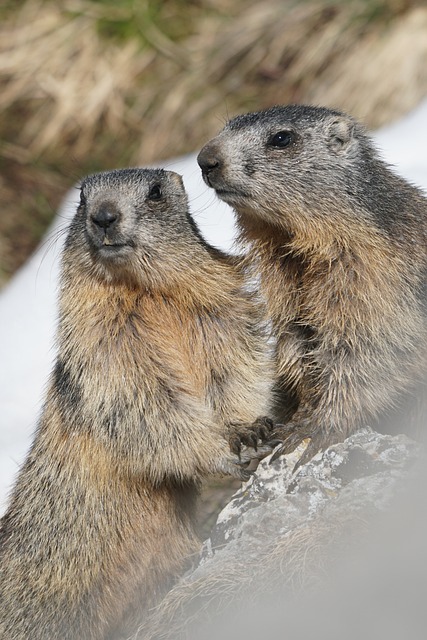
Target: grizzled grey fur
{"x":339,"y":242}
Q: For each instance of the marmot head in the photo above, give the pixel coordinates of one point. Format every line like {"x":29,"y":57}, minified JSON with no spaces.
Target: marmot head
{"x":132,"y":224}
{"x":289,"y":165}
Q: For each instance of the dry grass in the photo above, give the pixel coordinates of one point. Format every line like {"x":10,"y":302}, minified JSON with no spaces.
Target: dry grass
{"x":87,"y":85}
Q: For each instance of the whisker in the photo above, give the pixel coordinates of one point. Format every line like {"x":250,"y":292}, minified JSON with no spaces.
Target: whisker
{"x":49,"y":243}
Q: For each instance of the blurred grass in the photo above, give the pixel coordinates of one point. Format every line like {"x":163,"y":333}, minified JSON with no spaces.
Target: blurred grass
{"x":87,"y":85}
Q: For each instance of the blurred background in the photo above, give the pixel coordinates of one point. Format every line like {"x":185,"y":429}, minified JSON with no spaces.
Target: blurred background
{"x":87,"y":85}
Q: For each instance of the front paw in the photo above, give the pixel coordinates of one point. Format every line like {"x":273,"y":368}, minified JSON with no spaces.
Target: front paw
{"x":244,"y":470}
{"x":251,"y":435}
{"x":244,"y":464}
{"x":293,"y":433}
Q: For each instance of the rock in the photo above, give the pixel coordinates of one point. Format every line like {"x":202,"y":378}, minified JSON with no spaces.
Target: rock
{"x":287,"y":533}
{"x":359,"y":473}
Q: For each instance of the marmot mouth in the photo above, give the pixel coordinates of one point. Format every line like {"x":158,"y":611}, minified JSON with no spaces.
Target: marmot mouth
{"x":113,"y":248}
{"x":108,"y":243}
{"x":113,"y":254}
{"x":230,"y":194}
{"x":109,"y":250}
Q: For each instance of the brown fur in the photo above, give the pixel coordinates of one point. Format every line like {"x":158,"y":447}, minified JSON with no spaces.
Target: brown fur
{"x":161,"y":363}
{"x":340,"y":246}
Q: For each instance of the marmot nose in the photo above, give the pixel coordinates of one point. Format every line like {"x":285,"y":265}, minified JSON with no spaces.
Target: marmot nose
{"x":208,"y":159}
{"x":105,"y":217}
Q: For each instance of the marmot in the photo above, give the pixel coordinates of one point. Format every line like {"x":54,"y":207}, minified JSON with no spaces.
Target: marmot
{"x":340,"y":245}
{"x":161,"y":365}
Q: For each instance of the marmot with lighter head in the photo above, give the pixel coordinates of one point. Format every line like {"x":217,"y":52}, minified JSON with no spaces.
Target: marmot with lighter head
{"x":340,"y":245}
{"x":161,"y":364}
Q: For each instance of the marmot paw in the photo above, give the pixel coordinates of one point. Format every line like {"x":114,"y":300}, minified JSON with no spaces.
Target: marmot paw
{"x":293,"y":434}
{"x":251,"y":435}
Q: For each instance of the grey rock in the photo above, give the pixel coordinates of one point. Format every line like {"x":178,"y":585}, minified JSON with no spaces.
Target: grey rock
{"x":284,"y":534}
{"x":359,"y":473}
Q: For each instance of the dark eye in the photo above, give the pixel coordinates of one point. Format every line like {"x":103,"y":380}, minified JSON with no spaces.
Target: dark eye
{"x":281,"y":139}
{"x":155,"y":192}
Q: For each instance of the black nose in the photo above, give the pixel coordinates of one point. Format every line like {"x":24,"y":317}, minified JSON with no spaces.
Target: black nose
{"x":105,"y":217}
{"x":209,"y":159}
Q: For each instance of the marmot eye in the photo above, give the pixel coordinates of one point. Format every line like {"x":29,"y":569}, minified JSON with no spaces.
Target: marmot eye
{"x":155,"y":192}
{"x":281,"y":139}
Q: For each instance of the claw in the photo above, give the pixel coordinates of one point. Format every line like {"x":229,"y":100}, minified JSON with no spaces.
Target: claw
{"x":306,"y":456}
{"x":316,"y":444}
{"x":279,"y":426}
{"x":252,"y":435}
{"x":266,"y":426}
{"x":273,"y":443}
{"x":253,"y":439}
{"x":247,"y":470}
{"x":236,"y":445}
{"x":277,"y":454}
{"x":274,"y":457}
{"x":264,"y":432}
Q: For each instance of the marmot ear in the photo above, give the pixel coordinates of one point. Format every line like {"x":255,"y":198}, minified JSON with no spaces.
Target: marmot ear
{"x":339,"y":134}
{"x":176,"y":177}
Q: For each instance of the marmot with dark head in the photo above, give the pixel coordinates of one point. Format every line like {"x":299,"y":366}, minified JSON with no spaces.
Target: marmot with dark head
{"x":340,"y":245}
{"x":161,"y":364}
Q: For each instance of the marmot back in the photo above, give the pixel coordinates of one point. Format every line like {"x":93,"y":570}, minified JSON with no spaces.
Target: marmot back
{"x":340,"y":243}
{"x":161,"y":365}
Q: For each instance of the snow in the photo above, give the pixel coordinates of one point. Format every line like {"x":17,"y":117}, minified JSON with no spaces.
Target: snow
{"x":28,"y":303}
